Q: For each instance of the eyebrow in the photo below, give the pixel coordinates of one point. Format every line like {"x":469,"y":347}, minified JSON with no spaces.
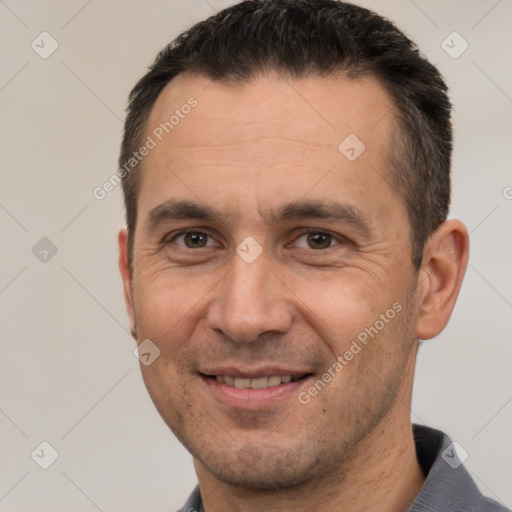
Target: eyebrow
{"x":324,"y":210}
{"x":179,"y":210}
{"x":174,"y":209}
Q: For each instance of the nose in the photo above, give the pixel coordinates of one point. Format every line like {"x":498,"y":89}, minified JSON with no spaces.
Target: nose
{"x":251,"y":301}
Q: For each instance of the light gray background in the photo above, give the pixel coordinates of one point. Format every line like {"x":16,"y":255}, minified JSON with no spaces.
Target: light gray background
{"x":68,"y":375}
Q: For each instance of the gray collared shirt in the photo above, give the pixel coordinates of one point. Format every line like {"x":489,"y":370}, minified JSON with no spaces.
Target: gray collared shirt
{"x":447,"y":488}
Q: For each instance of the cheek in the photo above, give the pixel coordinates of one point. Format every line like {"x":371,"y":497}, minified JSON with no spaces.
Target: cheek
{"x":340,"y":308}
{"x":167,"y":309}
{"x":170,"y":397}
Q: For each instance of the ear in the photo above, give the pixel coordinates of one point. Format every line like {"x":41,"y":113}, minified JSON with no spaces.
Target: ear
{"x":126,"y":276}
{"x":445,"y":259}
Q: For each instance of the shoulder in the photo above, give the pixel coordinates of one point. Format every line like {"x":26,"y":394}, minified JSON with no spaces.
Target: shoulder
{"x":489,"y":505}
{"x":448,"y":485}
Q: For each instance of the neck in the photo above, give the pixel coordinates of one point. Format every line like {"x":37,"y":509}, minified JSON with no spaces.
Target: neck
{"x":381,"y":474}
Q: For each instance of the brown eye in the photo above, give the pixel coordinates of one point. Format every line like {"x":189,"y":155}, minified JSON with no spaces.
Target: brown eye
{"x":318,"y":240}
{"x":193,"y":240}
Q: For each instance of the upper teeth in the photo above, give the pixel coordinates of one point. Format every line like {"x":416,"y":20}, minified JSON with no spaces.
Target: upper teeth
{"x":258,"y":383}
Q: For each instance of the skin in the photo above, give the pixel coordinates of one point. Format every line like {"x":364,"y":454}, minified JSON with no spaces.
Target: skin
{"x":245,"y":151}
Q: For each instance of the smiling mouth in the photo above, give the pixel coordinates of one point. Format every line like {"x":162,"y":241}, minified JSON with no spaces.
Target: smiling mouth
{"x":258,"y":382}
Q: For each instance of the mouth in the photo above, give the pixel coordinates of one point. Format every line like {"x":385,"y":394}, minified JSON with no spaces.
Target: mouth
{"x":253,"y":390}
{"x":262,"y":382}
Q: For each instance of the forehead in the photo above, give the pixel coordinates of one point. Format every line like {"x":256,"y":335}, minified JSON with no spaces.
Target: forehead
{"x":322,"y":107}
{"x":268,"y":139}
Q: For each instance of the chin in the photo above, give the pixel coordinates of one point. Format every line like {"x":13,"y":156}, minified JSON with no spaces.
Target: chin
{"x":262,"y":468}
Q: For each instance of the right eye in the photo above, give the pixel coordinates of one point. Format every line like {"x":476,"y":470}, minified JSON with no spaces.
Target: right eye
{"x":192,"y":239}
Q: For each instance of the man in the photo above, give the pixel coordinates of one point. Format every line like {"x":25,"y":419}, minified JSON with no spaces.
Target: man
{"x":286,"y":174}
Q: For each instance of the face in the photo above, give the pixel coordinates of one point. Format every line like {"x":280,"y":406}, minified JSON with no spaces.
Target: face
{"x":273,"y":272}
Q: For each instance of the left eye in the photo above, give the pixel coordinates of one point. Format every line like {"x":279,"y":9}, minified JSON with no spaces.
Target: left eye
{"x":316,"y":240}
{"x":194,"y":240}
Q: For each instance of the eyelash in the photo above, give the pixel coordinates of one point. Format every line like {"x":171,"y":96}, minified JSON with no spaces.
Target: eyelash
{"x":340,"y":239}
{"x":168,"y":240}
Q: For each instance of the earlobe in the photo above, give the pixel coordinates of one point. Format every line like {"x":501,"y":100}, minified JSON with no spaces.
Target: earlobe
{"x":445,"y":260}
{"x":124,"y":269}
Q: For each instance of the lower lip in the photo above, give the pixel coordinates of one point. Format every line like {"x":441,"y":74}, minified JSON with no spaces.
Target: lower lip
{"x":253,"y":399}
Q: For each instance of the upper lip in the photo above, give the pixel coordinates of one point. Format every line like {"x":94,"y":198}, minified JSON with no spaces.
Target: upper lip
{"x":253,"y":373}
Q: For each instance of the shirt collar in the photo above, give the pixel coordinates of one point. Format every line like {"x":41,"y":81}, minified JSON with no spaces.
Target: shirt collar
{"x":448,"y":486}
